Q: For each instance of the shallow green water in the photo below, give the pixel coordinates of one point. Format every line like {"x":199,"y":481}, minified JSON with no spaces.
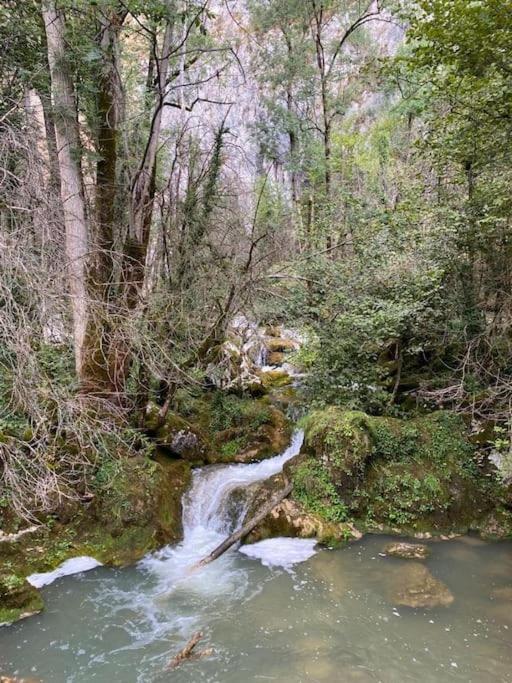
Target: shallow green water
{"x":331,"y":619}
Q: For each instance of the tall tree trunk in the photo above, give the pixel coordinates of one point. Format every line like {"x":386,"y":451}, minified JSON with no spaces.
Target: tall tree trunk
{"x":71,"y":182}
{"x":100,"y":374}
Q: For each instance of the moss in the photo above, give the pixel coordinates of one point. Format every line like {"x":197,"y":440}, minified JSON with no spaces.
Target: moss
{"x":341,"y":441}
{"x":280,"y":345}
{"x":418,"y":474}
{"x":19,"y":603}
{"x":136,"y":509}
{"x":230,"y":449}
{"x":274,"y":379}
{"x":313,"y":488}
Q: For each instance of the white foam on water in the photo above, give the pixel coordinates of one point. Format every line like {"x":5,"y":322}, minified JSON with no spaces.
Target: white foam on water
{"x":281,"y":552}
{"x":75,"y":565}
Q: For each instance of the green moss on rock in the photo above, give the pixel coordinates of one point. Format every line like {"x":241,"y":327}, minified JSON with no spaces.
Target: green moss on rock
{"x":18,"y":599}
{"x":413,"y":475}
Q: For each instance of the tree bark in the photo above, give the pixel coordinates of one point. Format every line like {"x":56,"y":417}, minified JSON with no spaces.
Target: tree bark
{"x":71,"y":181}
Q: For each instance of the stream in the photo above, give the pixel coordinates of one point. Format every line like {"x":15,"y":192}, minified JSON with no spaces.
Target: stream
{"x":276,"y":611}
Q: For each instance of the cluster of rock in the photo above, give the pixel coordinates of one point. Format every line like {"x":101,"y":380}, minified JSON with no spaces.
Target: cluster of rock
{"x":249,"y":358}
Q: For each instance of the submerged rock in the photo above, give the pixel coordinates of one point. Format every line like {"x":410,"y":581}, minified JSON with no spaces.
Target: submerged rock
{"x":407,"y":551}
{"x":503,"y":594}
{"x":414,"y":586}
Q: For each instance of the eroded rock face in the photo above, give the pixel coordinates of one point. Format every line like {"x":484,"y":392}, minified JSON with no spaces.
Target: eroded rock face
{"x":408,"y":551}
{"x":414,"y":586}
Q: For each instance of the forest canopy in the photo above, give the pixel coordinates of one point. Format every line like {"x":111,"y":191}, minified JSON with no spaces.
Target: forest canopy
{"x":341,"y":167}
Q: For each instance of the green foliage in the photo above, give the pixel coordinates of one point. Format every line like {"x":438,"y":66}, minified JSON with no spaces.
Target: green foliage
{"x":229,"y":410}
{"x":340,"y":437}
{"x":313,"y":487}
{"x":358,"y":312}
{"x":229,"y":449}
{"x":400,"y":498}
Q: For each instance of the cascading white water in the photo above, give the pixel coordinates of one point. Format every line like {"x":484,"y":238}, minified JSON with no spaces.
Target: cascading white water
{"x":213,"y":508}
{"x":208,"y":504}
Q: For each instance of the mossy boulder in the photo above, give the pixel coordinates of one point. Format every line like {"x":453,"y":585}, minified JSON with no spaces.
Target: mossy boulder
{"x":275,"y":358}
{"x":18,"y":599}
{"x":340,"y":442}
{"x":280,"y":345}
{"x":404,"y":476}
{"x":264,"y":433}
{"x":135,"y":508}
{"x":177,"y":435}
{"x":274,"y":379}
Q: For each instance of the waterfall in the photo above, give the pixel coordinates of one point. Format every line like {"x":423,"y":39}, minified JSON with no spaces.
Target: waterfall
{"x":213,"y":508}
{"x":210,"y":504}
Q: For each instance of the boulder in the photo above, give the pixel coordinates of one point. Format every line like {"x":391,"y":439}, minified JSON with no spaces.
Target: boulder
{"x":341,"y":442}
{"x":137,"y":509}
{"x":414,"y":586}
{"x":272,"y":379}
{"x":280,"y":345}
{"x":177,"y":436}
{"x":247,"y":443}
{"x":409,"y":476}
{"x":408,"y":551}
{"x":275,"y":358}
{"x":291,"y":519}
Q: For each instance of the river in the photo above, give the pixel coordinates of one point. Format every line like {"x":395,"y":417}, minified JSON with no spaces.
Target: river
{"x":291,"y":614}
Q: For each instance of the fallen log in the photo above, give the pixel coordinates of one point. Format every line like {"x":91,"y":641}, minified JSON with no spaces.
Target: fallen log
{"x":246,"y":529}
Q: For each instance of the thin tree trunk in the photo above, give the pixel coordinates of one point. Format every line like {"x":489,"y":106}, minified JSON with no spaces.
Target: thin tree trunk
{"x":143,"y":188}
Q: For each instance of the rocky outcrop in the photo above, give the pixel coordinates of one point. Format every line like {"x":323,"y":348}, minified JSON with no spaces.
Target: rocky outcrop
{"x":177,"y":435}
{"x":290,"y":518}
{"x":414,"y":586}
{"x":405,"y":476}
{"x":240,"y":362}
{"x":251,"y":442}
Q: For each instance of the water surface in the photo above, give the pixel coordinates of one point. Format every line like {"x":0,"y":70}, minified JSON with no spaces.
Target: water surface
{"x":330,"y":619}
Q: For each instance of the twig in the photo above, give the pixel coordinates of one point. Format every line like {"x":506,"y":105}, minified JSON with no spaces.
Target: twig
{"x":187,"y":653}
